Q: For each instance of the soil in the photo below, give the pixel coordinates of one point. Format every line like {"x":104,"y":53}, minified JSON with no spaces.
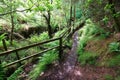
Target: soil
{"x":78,"y":73}
{"x":70,"y":69}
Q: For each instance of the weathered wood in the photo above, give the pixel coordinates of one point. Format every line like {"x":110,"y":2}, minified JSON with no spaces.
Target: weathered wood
{"x":70,"y":22}
{"x":48,"y":19}
{"x":4,"y":44}
{"x":18,"y":58}
{"x":74,"y":16}
{"x":12,"y":29}
{"x":29,"y":46}
{"x":60,"y":48}
{"x":28,"y":57}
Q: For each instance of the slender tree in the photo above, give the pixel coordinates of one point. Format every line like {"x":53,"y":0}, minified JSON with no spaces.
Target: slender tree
{"x":117,"y":27}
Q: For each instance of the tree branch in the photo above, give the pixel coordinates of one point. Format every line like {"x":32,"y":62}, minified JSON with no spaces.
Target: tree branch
{"x":15,"y":11}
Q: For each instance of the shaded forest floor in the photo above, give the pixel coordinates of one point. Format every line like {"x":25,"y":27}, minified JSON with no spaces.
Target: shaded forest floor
{"x":70,"y":68}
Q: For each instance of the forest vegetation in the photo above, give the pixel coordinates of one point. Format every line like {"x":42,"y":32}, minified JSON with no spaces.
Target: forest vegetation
{"x":37,"y":37}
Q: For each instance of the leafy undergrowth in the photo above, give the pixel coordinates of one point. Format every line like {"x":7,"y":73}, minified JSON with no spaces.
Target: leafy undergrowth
{"x":108,"y":54}
{"x":15,"y":75}
{"x":46,"y":60}
{"x":99,"y":48}
{"x":36,"y":69}
{"x":2,"y":73}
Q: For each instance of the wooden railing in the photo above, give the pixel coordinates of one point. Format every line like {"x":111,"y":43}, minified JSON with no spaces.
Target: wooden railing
{"x":61,"y":40}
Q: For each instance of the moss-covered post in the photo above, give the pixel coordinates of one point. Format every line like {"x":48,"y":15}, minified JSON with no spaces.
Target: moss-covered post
{"x":60,"y":49}
{"x":18,"y":57}
{"x":4,"y":44}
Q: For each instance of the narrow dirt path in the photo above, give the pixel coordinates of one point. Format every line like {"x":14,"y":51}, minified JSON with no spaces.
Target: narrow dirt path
{"x":66,"y":70}
{"x":70,"y":69}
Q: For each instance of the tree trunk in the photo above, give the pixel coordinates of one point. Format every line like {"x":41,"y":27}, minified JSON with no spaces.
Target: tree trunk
{"x":49,"y":26}
{"x":70,"y":21}
{"x":74,"y":16}
{"x":12,"y":30}
{"x":47,"y":18}
{"x":117,"y":27}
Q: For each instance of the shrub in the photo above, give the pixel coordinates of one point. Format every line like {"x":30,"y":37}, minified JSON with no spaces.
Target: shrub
{"x":114,"y":47}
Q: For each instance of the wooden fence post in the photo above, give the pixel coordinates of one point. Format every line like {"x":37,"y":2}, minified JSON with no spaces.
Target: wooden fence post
{"x":18,"y":57}
{"x":60,"y":49}
{"x":4,"y":44}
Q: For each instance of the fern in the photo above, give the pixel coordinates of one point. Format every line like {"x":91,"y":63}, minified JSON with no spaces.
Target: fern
{"x":87,"y":33}
{"x":2,"y":73}
{"x":14,"y":76}
{"x":38,"y":38}
{"x":114,"y":61}
{"x":114,"y":47}
{"x":88,"y":58}
{"x":46,"y":59}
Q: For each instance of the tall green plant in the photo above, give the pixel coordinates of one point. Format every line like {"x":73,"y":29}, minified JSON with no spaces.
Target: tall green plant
{"x":87,"y":33}
{"x":114,"y":47}
{"x":15,"y":75}
{"x":38,"y":38}
{"x":45,"y":60}
{"x":2,"y":73}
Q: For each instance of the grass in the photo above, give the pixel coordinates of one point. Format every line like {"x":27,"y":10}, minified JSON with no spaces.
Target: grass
{"x":108,"y":77}
{"x":45,"y":60}
{"x":2,"y":73}
{"x":89,"y":32}
{"x":15,"y":75}
{"x":88,"y":58}
{"x":113,"y":61}
{"x":114,"y":47}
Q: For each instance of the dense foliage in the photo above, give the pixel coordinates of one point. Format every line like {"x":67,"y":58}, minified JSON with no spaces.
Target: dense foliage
{"x":26,"y":22}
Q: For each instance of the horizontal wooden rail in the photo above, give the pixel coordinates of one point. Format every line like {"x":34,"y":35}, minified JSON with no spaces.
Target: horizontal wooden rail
{"x":28,"y":57}
{"x":67,"y":36}
{"x":29,"y":46}
{"x":61,"y":39}
{"x":64,"y":33}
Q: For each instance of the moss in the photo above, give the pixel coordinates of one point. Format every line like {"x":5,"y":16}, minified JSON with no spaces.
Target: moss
{"x":113,"y":61}
{"x":108,"y":77}
{"x":88,"y":58}
{"x":117,"y":78}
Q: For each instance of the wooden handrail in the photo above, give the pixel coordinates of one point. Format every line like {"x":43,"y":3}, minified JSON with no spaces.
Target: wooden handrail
{"x":61,"y":41}
{"x":29,"y":46}
{"x":28,"y":57}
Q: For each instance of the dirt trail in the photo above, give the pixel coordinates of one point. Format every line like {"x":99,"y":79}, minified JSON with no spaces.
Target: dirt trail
{"x":66,"y":70}
{"x":70,"y":69}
